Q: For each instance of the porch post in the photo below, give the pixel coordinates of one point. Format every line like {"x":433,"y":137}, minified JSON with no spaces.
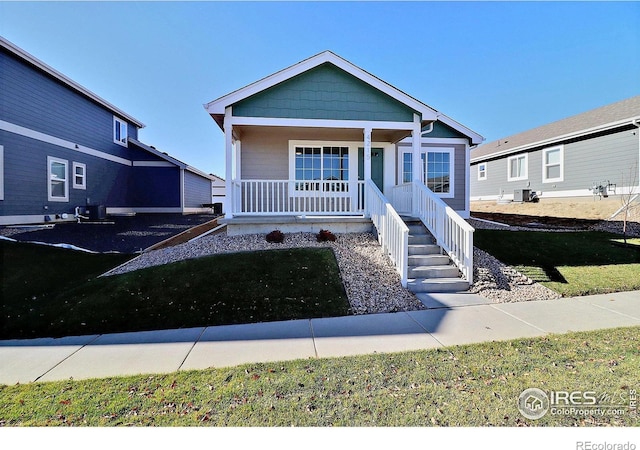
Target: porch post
{"x":416,"y":161}
{"x":229,"y":175}
{"x":367,"y":154}
{"x":367,"y":166}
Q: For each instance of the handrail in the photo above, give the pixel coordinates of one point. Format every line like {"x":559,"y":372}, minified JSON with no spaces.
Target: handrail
{"x":451,"y":231}
{"x":393,"y":233}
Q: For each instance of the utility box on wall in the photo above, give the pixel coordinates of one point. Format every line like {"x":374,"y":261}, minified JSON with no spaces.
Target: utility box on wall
{"x":521,"y":195}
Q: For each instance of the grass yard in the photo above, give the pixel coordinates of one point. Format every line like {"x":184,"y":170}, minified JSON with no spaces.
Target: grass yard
{"x":50,"y":292}
{"x":470,"y":385}
{"x":573,"y":264}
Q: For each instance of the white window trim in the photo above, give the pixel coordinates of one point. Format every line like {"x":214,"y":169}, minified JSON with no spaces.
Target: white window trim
{"x":118,"y":122}
{"x":482,"y":172}
{"x":51,"y":198}
{"x":425,"y":150}
{"x":525,"y":176}
{"x":353,"y":161}
{"x":545,"y":165}
{"x":82,"y":185}
{"x":1,"y":172}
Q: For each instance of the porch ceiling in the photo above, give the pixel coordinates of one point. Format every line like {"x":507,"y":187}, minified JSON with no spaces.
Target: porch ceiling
{"x":321,"y":134}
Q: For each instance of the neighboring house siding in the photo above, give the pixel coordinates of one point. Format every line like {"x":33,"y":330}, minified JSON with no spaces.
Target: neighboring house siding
{"x":33,"y":100}
{"x":25,"y":164}
{"x":326,"y":92}
{"x":197,"y":190}
{"x":608,"y":157}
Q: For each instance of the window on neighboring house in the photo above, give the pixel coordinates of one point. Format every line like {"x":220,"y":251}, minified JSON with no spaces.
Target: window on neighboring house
{"x":517,"y":168}
{"x":553,"y":165}
{"x":1,"y":172}
{"x":79,"y":175}
{"x":482,"y":171}
{"x":119,"y":131}
{"x":321,"y":163}
{"x":58,"y":185}
{"x":437,"y":170}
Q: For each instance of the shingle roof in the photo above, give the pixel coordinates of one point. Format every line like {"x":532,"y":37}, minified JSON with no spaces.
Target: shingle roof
{"x":609,"y":116}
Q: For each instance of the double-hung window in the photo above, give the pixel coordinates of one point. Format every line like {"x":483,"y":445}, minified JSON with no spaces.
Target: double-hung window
{"x":79,"y":175}
{"x":119,"y":131}
{"x":58,"y":183}
{"x":437,"y":170}
{"x":553,"y":165}
{"x":482,"y":171}
{"x":316,"y":165}
{"x":517,"y":167}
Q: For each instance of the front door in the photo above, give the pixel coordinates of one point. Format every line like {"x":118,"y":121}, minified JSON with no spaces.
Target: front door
{"x":377,"y":166}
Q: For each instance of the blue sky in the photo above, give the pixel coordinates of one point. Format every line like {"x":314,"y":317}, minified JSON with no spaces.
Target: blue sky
{"x":497,"y":67}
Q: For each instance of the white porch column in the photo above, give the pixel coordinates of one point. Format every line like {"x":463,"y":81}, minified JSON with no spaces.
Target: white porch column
{"x":229,"y":175}
{"x":367,"y":166}
{"x":416,"y":161}
{"x":367,"y":154}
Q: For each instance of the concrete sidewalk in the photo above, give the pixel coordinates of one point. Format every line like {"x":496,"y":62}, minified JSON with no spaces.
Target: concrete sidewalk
{"x":451,"y":319}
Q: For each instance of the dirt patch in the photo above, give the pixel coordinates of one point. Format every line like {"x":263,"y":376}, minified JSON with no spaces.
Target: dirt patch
{"x":545,"y":222}
{"x":589,"y":208}
{"x":185,"y":236}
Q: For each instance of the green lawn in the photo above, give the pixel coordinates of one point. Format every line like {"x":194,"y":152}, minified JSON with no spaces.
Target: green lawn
{"x":470,"y":385}
{"x":572,"y":264}
{"x":50,"y":292}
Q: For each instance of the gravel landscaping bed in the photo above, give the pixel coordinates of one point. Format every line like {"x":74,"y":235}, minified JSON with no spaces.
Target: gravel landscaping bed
{"x":371,"y":282}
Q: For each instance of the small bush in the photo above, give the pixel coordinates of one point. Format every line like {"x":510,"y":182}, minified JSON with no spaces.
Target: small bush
{"x":325,"y":235}
{"x":276,"y":236}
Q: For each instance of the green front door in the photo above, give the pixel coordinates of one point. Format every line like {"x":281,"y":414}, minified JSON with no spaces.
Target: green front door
{"x":377,"y":166}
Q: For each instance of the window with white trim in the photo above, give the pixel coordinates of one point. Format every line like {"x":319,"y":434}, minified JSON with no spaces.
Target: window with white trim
{"x":57,"y":183}
{"x":553,"y":164}
{"x":437,"y":169}
{"x":517,"y":167}
{"x":315,"y":163}
{"x":482,"y":171}
{"x":119,"y":131}
{"x":79,"y":175}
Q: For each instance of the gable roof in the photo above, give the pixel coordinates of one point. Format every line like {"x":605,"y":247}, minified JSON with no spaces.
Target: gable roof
{"x":216,"y":108}
{"x":30,"y":59}
{"x":607,"y":117}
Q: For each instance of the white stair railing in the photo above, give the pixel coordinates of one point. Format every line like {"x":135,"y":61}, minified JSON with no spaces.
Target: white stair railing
{"x":451,"y":231}
{"x":393,"y":233}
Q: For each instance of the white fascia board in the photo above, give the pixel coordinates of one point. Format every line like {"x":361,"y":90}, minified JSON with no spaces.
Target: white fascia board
{"x":153,"y":164}
{"x":17,"y":51}
{"x":320,"y":123}
{"x":557,"y":139}
{"x":218,"y":106}
{"x":475,"y":137}
{"x":201,"y":173}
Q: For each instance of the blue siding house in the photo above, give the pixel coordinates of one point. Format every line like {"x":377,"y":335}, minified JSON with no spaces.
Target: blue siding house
{"x":63,"y":149}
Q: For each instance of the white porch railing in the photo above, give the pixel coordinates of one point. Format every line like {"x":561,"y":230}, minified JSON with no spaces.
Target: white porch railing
{"x":451,"y":231}
{"x":291,"y":197}
{"x":401,"y":198}
{"x":393,"y":234}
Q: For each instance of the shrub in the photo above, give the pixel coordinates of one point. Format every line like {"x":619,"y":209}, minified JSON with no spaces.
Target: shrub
{"x":325,"y":235}
{"x":276,"y":236}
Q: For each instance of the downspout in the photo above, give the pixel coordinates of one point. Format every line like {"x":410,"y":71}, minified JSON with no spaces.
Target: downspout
{"x":636,"y":122}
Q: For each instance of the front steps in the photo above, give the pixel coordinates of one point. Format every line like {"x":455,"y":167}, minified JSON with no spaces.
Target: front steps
{"x":429,"y":269}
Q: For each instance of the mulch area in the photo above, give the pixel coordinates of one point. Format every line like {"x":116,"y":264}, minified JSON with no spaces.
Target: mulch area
{"x":123,"y":234}
{"x":537,"y":221}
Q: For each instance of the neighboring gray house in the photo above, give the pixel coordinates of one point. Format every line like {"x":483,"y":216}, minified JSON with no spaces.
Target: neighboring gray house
{"x":593,"y":153}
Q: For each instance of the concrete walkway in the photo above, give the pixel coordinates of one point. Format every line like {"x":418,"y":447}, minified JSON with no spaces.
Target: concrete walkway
{"x":451,"y":319}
